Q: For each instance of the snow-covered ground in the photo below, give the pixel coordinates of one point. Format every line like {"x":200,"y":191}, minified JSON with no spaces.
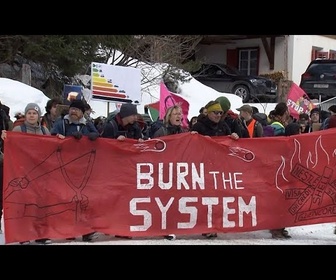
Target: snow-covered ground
{"x":319,"y":234}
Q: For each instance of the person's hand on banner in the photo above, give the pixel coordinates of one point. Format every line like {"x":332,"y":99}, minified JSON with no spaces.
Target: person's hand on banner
{"x":234,"y":136}
{"x":77,"y":134}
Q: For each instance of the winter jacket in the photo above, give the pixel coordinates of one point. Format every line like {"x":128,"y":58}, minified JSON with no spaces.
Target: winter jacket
{"x":205,"y":126}
{"x":114,"y":128}
{"x":236,"y":125}
{"x":168,"y":130}
{"x":65,"y":127}
{"x":32,"y":129}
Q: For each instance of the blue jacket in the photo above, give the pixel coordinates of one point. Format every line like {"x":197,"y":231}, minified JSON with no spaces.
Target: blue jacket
{"x":65,"y":127}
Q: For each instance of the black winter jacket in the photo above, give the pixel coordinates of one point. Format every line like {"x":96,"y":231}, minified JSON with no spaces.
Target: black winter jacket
{"x":205,"y":126}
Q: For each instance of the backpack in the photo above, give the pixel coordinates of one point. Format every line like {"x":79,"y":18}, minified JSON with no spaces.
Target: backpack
{"x":24,"y":129}
{"x":279,"y":129}
{"x":111,"y":115}
{"x":99,"y":124}
{"x":155,"y":126}
{"x":267,"y":128}
{"x":115,"y":127}
{"x":109,"y":119}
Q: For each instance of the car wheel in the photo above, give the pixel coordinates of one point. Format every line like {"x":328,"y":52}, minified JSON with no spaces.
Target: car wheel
{"x":242,"y":91}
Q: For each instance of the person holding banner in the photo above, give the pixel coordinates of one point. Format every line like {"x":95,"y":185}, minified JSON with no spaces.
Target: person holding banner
{"x":31,"y":125}
{"x":280,"y":118}
{"x":172,"y":124}
{"x":212,"y":124}
{"x":124,"y":124}
{"x":74,"y":124}
{"x":233,"y":120}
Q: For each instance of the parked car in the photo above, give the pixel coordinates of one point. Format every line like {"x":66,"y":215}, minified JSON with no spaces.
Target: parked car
{"x":319,"y":79}
{"x":224,"y":78}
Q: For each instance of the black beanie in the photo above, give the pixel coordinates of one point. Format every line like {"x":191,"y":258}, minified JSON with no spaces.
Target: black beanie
{"x":79,"y":104}
{"x":128,"y":109}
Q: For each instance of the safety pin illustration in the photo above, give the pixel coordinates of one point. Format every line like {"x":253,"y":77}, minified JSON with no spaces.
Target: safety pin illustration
{"x":79,"y":197}
{"x":151,"y":145}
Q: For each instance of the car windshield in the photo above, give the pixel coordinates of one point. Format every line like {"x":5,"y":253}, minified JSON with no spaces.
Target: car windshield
{"x":230,"y":70}
{"x":322,"y":68}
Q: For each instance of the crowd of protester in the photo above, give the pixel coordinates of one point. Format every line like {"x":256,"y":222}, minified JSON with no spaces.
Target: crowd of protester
{"x":216,"y":118}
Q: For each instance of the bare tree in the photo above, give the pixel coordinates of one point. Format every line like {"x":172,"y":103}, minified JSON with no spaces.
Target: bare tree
{"x":176,"y":52}
{"x":63,"y":57}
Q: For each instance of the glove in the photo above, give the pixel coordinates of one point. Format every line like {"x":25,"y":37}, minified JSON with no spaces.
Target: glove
{"x":93,"y":136}
{"x":78,"y":135}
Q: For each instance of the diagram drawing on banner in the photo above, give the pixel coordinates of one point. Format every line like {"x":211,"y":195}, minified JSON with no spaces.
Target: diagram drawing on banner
{"x":115,"y":83}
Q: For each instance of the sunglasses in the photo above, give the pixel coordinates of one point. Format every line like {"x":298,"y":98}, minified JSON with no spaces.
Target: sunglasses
{"x":218,"y":112}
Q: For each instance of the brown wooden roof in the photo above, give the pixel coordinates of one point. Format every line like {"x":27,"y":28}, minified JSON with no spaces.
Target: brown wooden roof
{"x":229,"y":39}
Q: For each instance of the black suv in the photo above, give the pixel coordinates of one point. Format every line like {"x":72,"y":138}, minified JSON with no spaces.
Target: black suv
{"x":319,"y":80}
{"x":224,"y":78}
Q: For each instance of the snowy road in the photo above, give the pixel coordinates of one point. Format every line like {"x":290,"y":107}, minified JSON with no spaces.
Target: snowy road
{"x":320,"y":234}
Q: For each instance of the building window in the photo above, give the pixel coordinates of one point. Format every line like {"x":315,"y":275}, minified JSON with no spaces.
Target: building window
{"x":318,"y":54}
{"x":248,"y":61}
{"x":332,"y":54}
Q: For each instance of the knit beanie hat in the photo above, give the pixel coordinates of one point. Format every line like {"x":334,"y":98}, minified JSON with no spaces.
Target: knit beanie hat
{"x":214,"y":107}
{"x":128,"y":109}
{"x":224,"y":102}
{"x":79,"y":104}
{"x":33,"y":106}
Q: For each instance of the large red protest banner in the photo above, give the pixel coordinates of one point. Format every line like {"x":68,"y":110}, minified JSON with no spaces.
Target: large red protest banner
{"x":182,"y":184}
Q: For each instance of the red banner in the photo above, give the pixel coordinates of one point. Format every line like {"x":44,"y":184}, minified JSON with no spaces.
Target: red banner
{"x":298,"y":101}
{"x":182,"y":184}
{"x":168,"y":99}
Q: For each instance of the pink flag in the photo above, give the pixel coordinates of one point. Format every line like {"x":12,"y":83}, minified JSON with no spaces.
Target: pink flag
{"x":168,"y":99}
{"x":298,"y":102}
